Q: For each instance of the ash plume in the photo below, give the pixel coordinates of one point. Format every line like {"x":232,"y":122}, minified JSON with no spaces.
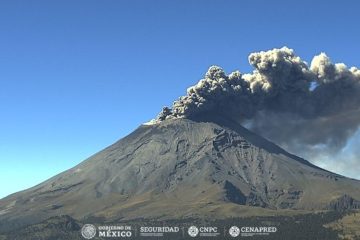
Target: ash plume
{"x":284,"y":99}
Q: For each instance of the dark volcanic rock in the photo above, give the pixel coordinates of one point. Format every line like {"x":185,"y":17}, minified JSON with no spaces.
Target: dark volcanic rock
{"x":344,"y":202}
{"x":233,"y":194}
{"x":180,"y":168}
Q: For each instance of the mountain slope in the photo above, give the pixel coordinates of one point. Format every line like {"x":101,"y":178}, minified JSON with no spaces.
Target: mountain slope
{"x":183,"y":168}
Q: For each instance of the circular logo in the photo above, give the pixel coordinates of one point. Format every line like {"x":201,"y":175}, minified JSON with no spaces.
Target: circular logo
{"x":234,"y":231}
{"x":88,"y":231}
{"x":193,"y":231}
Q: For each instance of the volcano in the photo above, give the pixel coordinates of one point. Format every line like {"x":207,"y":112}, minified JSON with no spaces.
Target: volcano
{"x":179,"y":168}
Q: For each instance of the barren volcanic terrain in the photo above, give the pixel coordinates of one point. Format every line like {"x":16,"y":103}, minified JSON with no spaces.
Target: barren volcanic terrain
{"x":182,"y":168}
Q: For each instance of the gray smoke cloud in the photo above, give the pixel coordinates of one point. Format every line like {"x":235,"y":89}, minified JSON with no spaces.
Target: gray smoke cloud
{"x":285,"y":99}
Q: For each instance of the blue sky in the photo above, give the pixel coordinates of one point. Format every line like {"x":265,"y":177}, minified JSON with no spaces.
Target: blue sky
{"x":75,"y":76}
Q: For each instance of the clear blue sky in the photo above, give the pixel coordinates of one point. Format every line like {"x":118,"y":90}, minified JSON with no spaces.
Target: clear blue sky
{"x":75,"y":76}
